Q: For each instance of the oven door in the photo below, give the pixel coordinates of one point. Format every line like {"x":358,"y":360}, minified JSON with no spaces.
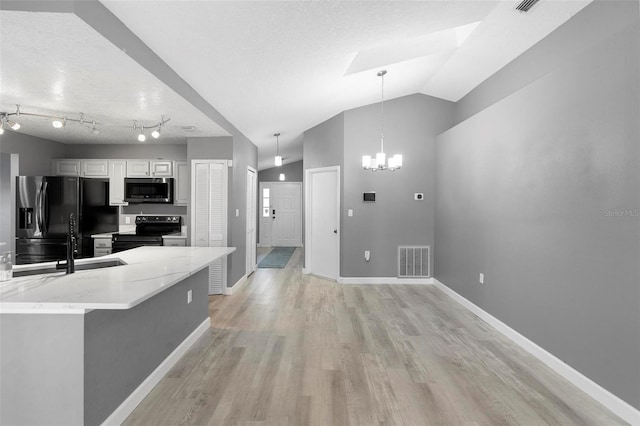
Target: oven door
{"x":126,"y":242}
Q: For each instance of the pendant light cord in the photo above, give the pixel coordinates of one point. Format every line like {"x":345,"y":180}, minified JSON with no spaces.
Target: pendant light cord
{"x":382,"y":112}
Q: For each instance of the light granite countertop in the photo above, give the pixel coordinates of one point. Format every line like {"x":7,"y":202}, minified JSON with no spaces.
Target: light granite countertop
{"x":148,"y":271}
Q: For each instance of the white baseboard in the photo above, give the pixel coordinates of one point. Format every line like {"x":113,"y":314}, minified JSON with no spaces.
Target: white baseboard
{"x":597,"y":392}
{"x":237,"y":286}
{"x":132,"y":401}
{"x":383,"y":280}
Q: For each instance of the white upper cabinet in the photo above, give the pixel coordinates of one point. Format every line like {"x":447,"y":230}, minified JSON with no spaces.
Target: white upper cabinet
{"x":66,"y":167}
{"x":95,"y":168}
{"x":83,"y":168}
{"x":117,"y":172}
{"x":182,"y":179}
{"x":149,"y":168}
{"x":138,"y":168}
{"x":161,"y":168}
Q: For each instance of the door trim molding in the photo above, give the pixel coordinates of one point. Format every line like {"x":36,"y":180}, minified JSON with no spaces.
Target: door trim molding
{"x":308,"y":216}
{"x":249,"y":260}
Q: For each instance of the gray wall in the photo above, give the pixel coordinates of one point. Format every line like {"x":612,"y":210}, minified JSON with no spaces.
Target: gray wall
{"x":134,"y":342}
{"x":35,"y":153}
{"x":293,"y":172}
{"x":540,"y":191}
{"x":126,"y":151}
{"x":41,"y":359}
{"x":245,"y":154}
{"x":323,"y":145}
{"x":6,"y":202}
{"x":411,"y":124}
{"x":596,"y":22}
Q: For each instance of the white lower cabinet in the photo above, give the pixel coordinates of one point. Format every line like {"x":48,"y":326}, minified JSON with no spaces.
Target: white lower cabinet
{"x":101,"y":246}
{"x":174,"y":242}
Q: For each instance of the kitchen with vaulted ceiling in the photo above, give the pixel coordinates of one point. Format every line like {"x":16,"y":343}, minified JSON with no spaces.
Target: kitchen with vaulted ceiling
{"x":319,"y":212}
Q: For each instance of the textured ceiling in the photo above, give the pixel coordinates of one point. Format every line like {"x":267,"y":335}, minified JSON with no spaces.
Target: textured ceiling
{"x":284,"y":67}
{"x":55,"y":64}
{"x":266,"y":66}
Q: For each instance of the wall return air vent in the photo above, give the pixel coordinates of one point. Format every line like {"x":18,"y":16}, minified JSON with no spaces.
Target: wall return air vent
{"x":414,"y":262}
{"x":526,"y":5}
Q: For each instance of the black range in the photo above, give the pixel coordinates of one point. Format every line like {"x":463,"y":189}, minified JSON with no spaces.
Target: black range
{"x":149,"y":232}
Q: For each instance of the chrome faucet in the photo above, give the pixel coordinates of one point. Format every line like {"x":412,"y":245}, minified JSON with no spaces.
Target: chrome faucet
{"x":72,"y":247}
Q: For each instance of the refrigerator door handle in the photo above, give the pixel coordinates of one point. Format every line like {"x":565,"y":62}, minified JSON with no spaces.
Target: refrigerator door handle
{"x":45,"y":208}
{"x":38,"y":212}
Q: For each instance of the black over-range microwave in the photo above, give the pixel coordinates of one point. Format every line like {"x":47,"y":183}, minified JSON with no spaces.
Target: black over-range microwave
{"x":148,"y":190}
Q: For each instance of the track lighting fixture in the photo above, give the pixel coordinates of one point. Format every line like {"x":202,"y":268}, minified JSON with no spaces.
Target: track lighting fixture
{"x":59,"y":121}
{"x":13,"y":125}
{"x":141,"y":136}
{"x":278,"y":159}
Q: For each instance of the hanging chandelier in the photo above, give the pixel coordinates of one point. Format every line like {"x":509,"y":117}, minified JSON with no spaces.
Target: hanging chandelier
{"x":278,"y":159}
{"x":59,"y":121}
{"x":380,"y":161}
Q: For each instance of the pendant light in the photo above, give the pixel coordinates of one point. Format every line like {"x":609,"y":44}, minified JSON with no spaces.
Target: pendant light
{"x":380,"y":161}
{"x":278,"y":159}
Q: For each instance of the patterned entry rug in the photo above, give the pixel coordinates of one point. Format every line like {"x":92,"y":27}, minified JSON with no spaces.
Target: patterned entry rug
{"x":277,"y":258}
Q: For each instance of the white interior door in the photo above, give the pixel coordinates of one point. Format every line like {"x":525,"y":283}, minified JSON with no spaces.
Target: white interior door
{"x":251,"y":220}
{"x":281,"y":214}
{"x":322,"y":210}
{"x":209,"y":214}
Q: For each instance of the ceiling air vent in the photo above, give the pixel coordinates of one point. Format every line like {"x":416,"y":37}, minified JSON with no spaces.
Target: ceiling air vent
{"x":190,"y":129}
{"x":526,"y":5}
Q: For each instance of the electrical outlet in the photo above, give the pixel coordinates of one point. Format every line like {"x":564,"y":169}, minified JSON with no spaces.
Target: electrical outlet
{"x":127,"y":220}
{"x":481,"y":279}
{"x":189,"y":297}
{"x":367,"y":255}
{"x":350,"y":212}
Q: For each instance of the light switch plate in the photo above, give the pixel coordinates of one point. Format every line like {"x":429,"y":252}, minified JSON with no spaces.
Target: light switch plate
{"x":237,"y":212}
{"x":481,"y":279}
{"x":189,"y":296}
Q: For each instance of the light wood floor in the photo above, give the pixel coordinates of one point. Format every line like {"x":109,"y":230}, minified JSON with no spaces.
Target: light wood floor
{"x":291,"y":349}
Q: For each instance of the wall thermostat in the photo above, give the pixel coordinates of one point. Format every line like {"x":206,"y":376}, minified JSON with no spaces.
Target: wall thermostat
{"x":418,"y":196}
{"x":369,"y":197}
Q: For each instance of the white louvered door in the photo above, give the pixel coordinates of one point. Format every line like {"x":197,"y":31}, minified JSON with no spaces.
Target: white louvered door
{"x":209,"y":214}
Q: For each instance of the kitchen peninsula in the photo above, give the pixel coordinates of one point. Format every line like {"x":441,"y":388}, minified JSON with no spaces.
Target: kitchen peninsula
{"x":85,"y":348}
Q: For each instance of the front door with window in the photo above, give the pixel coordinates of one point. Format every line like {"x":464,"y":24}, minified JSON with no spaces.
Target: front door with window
{"x":281,"y":214}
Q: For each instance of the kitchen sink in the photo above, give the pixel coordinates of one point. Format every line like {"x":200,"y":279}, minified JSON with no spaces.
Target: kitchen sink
{"x":50,"y":268}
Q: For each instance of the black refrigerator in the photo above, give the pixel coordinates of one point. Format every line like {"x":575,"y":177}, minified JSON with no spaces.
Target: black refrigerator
{"x":43,"y":206}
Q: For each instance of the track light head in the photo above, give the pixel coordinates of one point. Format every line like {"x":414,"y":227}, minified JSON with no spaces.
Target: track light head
{"x":13,"y":125}
{"x":57,"y":124}
{"x":156,"y":133}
